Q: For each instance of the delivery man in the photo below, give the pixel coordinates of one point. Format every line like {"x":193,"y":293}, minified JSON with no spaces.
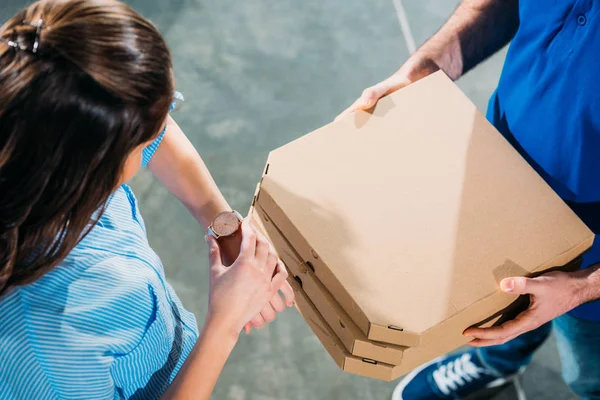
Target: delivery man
{"x":547,"y":105}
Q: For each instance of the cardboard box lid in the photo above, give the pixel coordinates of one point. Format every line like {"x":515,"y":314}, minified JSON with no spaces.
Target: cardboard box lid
{"x":412,"y":214}
{"x":352,"y":338}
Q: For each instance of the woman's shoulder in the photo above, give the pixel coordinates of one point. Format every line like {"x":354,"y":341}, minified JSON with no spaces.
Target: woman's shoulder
{"x":105,"y":320}
{"x":94,"y":293}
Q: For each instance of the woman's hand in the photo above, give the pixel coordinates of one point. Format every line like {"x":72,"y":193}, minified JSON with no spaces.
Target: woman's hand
{"x":276,"y":305}
{"x":237,"y":293}
{"x":240,"y":292}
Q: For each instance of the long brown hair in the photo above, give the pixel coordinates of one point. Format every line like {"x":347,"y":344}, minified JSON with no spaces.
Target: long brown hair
{"x":98,"y":85}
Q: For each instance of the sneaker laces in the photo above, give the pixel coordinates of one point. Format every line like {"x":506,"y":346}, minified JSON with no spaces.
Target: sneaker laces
{"x":457,"y":373}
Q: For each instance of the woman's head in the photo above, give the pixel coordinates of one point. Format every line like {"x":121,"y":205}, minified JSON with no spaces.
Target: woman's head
{"x":96,"y":90}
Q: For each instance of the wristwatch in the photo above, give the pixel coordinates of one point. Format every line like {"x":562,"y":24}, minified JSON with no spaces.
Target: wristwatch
{"x":225,"y":224}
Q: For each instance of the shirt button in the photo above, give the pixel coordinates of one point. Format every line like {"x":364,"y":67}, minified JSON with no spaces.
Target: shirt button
{"x":581,"y":20}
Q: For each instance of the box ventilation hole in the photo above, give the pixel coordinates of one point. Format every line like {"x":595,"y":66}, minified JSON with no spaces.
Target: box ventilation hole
{"x":369,"y":361}
{"x":395,"y":328}
{"x":312,"y":267}
{"x":267,"y":169}
{"x":342,"y":324}
{"x":297,"y":278}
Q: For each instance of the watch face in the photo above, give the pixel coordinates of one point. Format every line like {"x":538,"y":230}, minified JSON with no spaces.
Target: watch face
{"x":226,"y":224}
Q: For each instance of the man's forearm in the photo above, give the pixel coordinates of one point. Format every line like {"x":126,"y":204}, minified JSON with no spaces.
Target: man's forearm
{"x":587,"y":284}
{"x":476,"y":30}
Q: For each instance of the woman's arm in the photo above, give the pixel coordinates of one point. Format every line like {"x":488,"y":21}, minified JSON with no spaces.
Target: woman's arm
{"x":201,"y":370}
{"x":237,"y":293}
{"x":179,"y":167}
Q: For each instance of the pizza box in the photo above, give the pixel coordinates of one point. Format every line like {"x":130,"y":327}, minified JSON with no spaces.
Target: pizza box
{"x":410,"y":215}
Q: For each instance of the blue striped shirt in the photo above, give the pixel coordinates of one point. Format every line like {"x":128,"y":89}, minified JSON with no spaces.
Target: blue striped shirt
{"x":105,"y":324}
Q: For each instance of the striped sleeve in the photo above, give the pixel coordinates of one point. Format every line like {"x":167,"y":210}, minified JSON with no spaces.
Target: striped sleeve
{"x":149,"y":151}
{"x":111,"y":334}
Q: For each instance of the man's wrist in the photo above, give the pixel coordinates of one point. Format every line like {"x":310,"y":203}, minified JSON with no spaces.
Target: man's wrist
{"x":586,"y":284}
{"x":418,"y":66}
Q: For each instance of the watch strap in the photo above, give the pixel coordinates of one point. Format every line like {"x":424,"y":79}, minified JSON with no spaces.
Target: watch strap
{"x":212,"y":233}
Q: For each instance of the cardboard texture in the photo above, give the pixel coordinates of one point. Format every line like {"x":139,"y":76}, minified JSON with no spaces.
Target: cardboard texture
{"x":409,"y":216}
{"x":339,"y":324}
{"x":334,"y":346}
{"x":353,"y":339}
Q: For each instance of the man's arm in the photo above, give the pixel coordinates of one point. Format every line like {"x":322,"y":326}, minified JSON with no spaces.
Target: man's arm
{"x":476,"y":30}
{"x":588,"y":284}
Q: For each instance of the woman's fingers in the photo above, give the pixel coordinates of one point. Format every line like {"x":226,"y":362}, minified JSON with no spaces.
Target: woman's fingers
{"x":280,"y":278}
{"x":214,"y":255}
{"x":258,"y":322}
{"x":249,"y":238}
{"x":277,"y":303}
{"x":263,"y":248}
{"x":271,"y":265}
{"x":268,"y":313}
{"x":288,"y":293}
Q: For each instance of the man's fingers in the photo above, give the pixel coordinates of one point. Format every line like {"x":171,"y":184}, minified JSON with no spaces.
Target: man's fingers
{"x":488,"y":342}
{"x":367,"y":99}
{"x":521,"y":285}
{"x":371,"y":96}
{"x":348,"y":110}
{"x":521,"y":324}
{"x":248,"y":247}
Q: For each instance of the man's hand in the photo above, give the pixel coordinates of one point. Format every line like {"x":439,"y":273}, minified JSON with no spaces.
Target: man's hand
{"x":551,"y":295}
{"x":415,"y":68}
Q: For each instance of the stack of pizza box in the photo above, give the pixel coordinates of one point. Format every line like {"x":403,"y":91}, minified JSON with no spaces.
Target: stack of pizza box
{"x":397,"y":224}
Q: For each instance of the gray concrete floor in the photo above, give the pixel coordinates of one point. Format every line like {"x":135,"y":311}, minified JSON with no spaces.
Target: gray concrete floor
{"x":257,"y":74}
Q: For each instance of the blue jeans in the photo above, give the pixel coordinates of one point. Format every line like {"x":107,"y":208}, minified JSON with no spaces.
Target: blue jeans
{"x":578,"y":346}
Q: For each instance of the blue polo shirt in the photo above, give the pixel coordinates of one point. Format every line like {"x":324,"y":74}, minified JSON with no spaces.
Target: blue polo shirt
{"x":547,"y":104}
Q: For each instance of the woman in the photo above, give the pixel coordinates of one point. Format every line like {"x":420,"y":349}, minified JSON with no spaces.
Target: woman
{"x":85,"y":309}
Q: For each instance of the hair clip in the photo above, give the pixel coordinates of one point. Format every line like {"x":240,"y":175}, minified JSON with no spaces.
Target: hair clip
{"x":14,"y":44}
{"x":38,"y":25}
